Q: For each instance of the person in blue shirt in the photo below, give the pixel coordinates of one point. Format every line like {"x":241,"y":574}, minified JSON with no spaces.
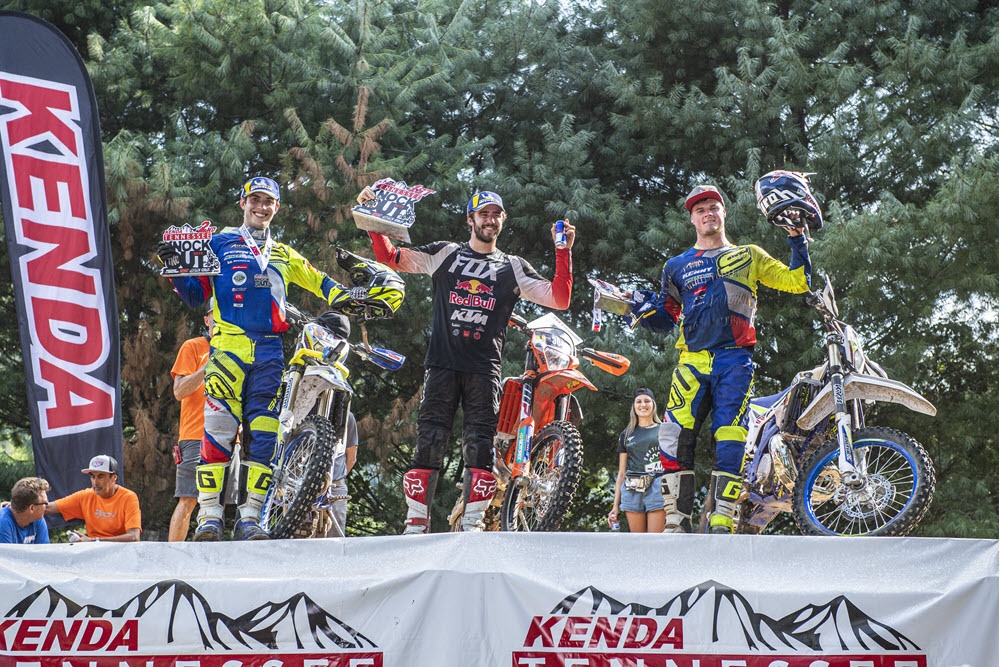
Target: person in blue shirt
{"x":23,"y":520}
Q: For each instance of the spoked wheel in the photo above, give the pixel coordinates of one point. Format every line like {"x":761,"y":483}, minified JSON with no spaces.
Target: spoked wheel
{"x":301,"y":476}
{"x":891,"y":499}
{"x":538,"y":500}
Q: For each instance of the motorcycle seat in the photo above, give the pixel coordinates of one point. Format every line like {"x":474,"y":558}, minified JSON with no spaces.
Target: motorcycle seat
{"x":767,"y":401}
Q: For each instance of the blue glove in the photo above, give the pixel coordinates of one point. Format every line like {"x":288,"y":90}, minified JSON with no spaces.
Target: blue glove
{"x":649,"y":311}
{"x":644,"y":306}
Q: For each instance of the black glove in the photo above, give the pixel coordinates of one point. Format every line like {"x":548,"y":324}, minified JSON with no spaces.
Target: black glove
{"x":169,"y":255}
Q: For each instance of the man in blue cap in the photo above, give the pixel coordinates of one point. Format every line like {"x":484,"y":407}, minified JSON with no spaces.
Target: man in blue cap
{"x":244,"y":370}
{"x":476,"y":287}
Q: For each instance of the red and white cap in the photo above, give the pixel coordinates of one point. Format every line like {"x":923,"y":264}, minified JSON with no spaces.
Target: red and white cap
{"x":702,"y":192}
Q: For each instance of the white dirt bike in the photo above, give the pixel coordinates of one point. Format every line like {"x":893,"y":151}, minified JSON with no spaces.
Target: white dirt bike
{"x":315,"y":400}
{"x":810,"y":450}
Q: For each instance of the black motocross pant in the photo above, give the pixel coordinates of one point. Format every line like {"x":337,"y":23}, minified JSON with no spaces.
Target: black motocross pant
{"x":444,"y":391}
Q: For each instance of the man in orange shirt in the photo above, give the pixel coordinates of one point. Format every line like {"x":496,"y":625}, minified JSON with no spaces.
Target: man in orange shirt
{"x":110,"y":512}
{"x":188,"y":373}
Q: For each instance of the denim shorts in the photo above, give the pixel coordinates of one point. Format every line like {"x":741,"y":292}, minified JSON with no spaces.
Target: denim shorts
{"x":648,"y":501}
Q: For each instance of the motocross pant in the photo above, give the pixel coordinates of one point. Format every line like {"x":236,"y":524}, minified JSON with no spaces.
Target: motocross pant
{"x":719,"y":381}
{"x":444,"y":390}
{"x":241,"y":386}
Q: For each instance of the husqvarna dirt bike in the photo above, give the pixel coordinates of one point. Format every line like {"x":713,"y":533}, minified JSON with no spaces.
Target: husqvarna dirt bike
{"x":811,"y":452}
{"x":315,"y":400}
{"x":538,"y":451}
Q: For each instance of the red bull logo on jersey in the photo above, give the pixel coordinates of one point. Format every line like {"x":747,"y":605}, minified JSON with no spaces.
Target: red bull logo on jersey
{"x":475,"y":295}
{"x":471,"y":300}
{"x":474,"y":287}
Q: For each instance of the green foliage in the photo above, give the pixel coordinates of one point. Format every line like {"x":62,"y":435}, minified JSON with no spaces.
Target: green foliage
{"x":604,"y":112}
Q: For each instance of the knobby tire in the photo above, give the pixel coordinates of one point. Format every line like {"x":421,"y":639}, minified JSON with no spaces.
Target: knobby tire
{"x":539,"y":500}
{"x":894,"y":502}
{"x":301,"y":477}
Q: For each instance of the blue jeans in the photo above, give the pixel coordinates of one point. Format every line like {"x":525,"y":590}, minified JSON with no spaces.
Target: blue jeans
{"x":649,"y":500}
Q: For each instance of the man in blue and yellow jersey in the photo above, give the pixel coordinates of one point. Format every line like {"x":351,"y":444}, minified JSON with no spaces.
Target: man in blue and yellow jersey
{"x":710,"y":292}
{"x":243,"y":374}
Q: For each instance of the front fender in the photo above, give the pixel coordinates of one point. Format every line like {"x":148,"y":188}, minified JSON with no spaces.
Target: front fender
{"x":552,"y":385}
{"x":864,"y":387}
{"x":315,"y":381}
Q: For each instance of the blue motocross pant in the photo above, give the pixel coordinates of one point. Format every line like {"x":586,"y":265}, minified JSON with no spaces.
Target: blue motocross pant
{"x":241,"y":387}
{"x":717,"y":381}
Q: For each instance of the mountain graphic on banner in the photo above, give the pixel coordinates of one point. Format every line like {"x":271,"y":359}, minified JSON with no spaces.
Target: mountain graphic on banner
{"x":176,"y":613}
{"x":711,"y":607}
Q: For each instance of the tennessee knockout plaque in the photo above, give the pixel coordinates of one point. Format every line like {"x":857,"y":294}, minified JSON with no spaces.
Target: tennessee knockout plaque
{"x":193,"y":256}
{"x":391,"y":213}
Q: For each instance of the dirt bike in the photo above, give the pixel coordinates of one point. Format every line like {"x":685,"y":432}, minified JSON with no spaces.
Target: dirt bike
{"x":538,"y":451}
{"x":810,"y":452}
{"x":315,"y":400}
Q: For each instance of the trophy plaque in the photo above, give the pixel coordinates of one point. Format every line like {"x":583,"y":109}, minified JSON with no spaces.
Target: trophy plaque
{"x":193,"y":256}
{"x":391,"y":213}
{"x":610,"y":299}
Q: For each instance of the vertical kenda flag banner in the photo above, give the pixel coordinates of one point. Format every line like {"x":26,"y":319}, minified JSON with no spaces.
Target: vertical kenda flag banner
{"x":56,"y":221}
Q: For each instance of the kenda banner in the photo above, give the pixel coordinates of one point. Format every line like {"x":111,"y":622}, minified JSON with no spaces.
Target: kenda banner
{"x":523,"y":600}
{"x":56,"y":222}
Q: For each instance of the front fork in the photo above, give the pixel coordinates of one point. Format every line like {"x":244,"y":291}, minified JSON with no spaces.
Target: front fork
{"x":525,"y":431}
{"x":851,"y":473}
{"x":526,"y":427}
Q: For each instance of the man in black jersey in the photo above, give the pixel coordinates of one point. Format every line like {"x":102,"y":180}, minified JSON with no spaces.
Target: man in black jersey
{"x":476,"y":288}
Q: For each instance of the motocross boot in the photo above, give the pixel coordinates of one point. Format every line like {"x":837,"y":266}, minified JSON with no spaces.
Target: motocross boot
{"x":255,"y":478}
{"x":725,"y":489}
{"x":211,"y":480}
{"x":418,"y":488}
{"x":678,"y":500}
{"x":478,"y":488}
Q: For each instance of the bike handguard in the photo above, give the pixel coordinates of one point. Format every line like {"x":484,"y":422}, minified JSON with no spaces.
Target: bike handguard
{"x":381,"y":357}
{"x":615,"y":364}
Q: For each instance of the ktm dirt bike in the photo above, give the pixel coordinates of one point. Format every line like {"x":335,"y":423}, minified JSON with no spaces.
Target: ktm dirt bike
{"x":315,"y":400}
{"x":811,"y":452}
{"x":538,"y":451}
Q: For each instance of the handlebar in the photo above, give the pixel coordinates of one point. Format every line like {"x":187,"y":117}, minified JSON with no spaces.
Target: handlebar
{"x":518,"y":323}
